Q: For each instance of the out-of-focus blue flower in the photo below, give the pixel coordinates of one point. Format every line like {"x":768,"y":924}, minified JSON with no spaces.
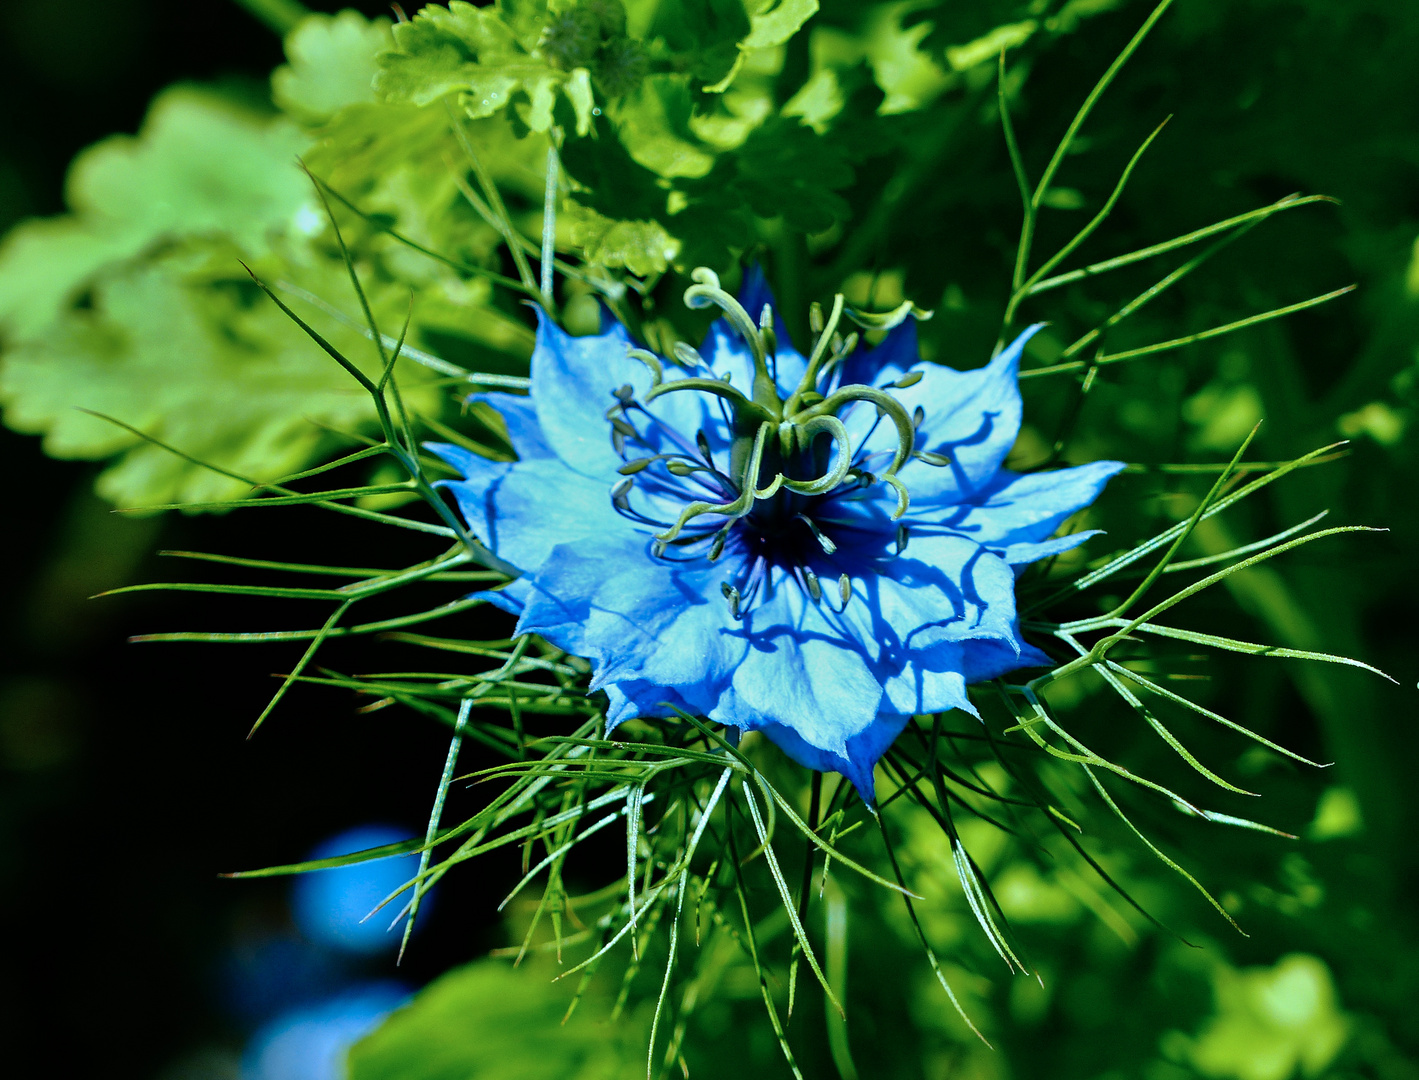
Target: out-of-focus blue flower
{"x":815,"y":547}
{"x":329,"y":905}
{"x":311,"y":1043}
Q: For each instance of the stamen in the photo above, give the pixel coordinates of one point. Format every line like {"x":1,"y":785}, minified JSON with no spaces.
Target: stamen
{"x":824,"y":542}
{"x":929,"y":458}
{"x":845,"y":589}
{"x":717,"y":548}
{"x":619,"y":493}
{"x":815,"y":590}
{"x":732,"y":595}
{"x":918,"y":415}
{"x":911,"y":378}
{"x":766,"y":330}
{"x":688,"y":356}
{"x":625,"y":394}
{"x":630,"y":468}
{"x":624,"y":428}
{"x":902,"y":539}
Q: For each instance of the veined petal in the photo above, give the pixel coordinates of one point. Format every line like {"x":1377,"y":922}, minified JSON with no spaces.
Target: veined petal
{"x":520,"y":416}
{"x":989,"y":659}
{"x":636,"y":617}
{"x":970,"y":417}
{"x":574,"y":380}
{"x":527,"y":508}
{"x":802,"y":671}
{"x":859,"y":758}
{"x":1015,"y":508}
{"x":942,"y":588}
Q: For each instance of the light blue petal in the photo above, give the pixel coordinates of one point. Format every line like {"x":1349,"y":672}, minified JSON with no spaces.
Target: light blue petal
{"x":971,"y":417}
{"x":856,"y":763}
{"x":530,"y":507}
{"x":520,"y":416}
{"x":1021,"y":555}
{"x":942,"y":588}
{"x":1015,"y":508}
{"x":634,"y":697}
{"x":800,"y":670}
{"x":984,"y":659}
{"x":574,"y":380}
{"x":637,"y":617}
{"x":932,"y":681}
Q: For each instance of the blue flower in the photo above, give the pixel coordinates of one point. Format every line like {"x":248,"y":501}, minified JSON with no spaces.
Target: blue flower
{"x":816,"y":547}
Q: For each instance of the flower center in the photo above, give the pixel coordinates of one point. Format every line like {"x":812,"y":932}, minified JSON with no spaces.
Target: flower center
{"x":765,"y":494}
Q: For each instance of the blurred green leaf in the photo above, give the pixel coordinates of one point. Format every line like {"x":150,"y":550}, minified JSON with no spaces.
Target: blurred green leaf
{"x":489,"y":1022}
{"x":199,"y":166}
{"x":184,"y":349}
{"x":332,"y":62}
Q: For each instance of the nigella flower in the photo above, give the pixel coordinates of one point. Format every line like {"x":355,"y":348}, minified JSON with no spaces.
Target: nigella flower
{"x":814,"y":547}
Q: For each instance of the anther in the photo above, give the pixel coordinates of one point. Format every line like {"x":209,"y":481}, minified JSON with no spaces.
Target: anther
{"x":680,"y":468}
{"x":815,"y":318}
{"x":687,"y":355}
{"x":625,"y":394}
{"x":657,"y":548}
{"x":624,"y":428}
{"x":845,"y":589}
{"x":630,"y":468}
{"x":902,"y":539}
{"x":732,"y":595}
{"x":911,"y":378}
{"x":932,"y":459}
{"x":703,"y":444}
{"x":815,"y":590}
{"x":766,"y":330}
{"x":826,"y":544}
{"x":717,"y":548}
{"x":918,"y":415}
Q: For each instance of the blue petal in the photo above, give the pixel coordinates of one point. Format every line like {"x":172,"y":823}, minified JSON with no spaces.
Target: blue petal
{"x":529,"y":507}
{"x":636,"y":697}
{"x":942,"y":588}
{"x":637,"y":618}
{"x":1021,"y":555}
{"x":856,"y":763}
{"x":573,"y":383}
{"x":986,"y":659}
{"x":887,"y":362}
{"x":933,"y":680}
{"x":1014,"y":508}
{"x":520,"y":416}
{"x":800,"y":670}
{"x":971,"y":417}
{"x":479,"y":474}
